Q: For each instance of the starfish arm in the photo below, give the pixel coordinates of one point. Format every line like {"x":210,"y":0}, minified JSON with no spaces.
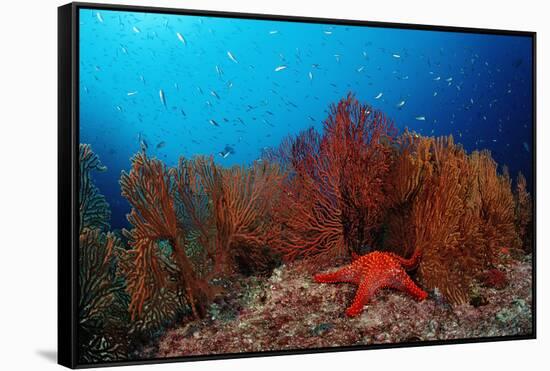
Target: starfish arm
{"x":367,"y":289}
{"x":409,"y":263}
{"x":346,"y":274}
{"x":401,"y":281}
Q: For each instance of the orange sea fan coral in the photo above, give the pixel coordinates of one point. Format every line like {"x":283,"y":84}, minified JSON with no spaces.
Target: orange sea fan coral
{"x":523,"y":213}
{"x":446,"y":226}
{"x":148,"y":189}
{"x":497,"y":206}
{"x":165,"y":302}
{"x":453,"y":207}
{"x":333,"y":198}
{"x":241,"y":202}
{"x":357,"y":143}
{"x":411,"y":167}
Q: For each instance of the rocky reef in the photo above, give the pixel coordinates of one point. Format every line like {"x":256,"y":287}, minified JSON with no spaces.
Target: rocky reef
{"x":291,"y":311}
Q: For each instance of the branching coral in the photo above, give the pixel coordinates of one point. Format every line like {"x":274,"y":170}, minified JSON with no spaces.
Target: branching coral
{"x":456,"y":209}
{"x":190,"y":223}
{"x":235,"y":226}
{"x":446,"y":225}
{"x":102,"y":331}
{"x":101,"y":301}
{"x":497,"y":206}
{"x":94,"y":209}
{"x":165,"y":303}
{"x":333,"y":200}
{"x":523,"y":213}
{"x":411,"y":167}
{"x":148,"y":189}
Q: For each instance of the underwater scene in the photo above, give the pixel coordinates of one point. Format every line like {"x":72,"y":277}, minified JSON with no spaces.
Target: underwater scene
{"x":258,"y":185}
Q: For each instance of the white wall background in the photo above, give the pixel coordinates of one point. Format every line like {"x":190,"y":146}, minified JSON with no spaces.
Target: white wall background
{"x":28,"y":155}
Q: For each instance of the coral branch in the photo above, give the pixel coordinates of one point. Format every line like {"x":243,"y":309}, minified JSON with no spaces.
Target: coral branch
{"x":524,"y":213}
{"x":334,"y":199}
{"x":453,"y":208}
{"x":94,"y":209}
{"x":148,"y":189}
{"x":241,"y":200}
{"x":101,"y":310}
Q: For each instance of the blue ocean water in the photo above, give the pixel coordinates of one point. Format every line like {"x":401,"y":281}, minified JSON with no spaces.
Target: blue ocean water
{"x":188,"y":85}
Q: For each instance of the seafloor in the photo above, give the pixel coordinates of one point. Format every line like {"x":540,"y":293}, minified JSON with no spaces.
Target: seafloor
{"x":290,"y":311}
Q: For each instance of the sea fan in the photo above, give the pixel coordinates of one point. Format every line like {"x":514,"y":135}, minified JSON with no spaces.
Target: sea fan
{"x":94,"y":209}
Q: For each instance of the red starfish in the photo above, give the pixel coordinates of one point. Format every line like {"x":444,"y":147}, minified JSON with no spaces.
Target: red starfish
{"x":372,"y":272}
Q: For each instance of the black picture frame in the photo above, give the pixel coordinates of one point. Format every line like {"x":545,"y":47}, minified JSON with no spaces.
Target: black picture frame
{"x":68,"y":177}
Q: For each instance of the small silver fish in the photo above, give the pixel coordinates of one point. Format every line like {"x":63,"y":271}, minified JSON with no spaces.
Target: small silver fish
{"x":214,"y":94}
{"x":378,"y":96}
{"x":231,"y":57}
{"x":310,"y":75}
{"x":273,"y":32}
{"x":136,"y":30}
{"x":213,"y":122}
{"x":420,"y":118}
{"x":526,"y":146}
{"x":130,"y":93}
{"x":181,"y":38}
{"x":99,"y":17}
{"x":437,"y":78}
{"x":360,"y":69}
{"x":396,"y":56}
{"x":280,"y":68}
{"x":162,"y":97}
{"x":400,"y":104}
{"x":449,"y":79}
{"x":328,"y":32}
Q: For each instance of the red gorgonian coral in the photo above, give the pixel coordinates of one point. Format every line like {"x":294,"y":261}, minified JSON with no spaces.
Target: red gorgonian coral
{"x":333,"y":198}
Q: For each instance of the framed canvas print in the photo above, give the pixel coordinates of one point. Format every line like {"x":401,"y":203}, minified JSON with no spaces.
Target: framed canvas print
{"x":237,"y":185}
